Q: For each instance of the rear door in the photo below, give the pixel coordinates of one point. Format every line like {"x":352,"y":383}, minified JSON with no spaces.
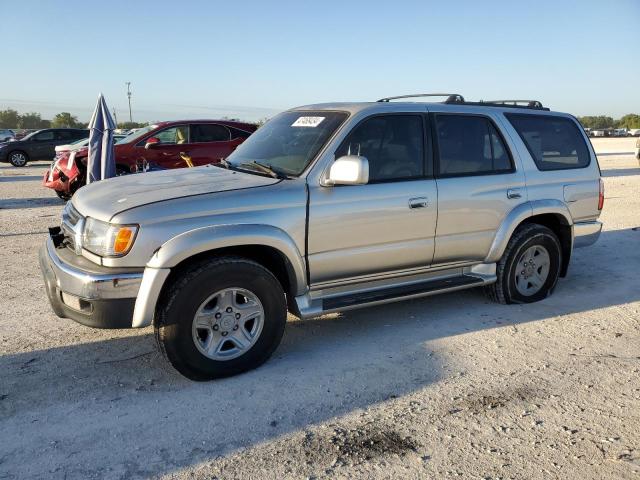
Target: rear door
{"x":210,"y":142}
{"x":478,"y":184}
{"x":386,"y":225}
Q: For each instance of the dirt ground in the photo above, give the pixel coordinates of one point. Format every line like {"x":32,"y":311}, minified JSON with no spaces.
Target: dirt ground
{"x":445,"y":387}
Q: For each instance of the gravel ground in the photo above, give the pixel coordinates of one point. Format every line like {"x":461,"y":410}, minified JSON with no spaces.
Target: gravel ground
{"x":450,"y":386}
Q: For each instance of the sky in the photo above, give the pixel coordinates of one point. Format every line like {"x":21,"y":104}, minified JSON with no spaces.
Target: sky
{"x":250,"y":60}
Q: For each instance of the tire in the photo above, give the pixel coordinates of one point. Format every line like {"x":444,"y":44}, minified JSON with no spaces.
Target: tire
{"x":64,"y":195}
{"x":18,"y":158}
{"x":513,"y":277}
{"x":196,"y":291}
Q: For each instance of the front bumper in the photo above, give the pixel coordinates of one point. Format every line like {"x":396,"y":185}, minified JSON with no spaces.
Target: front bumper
{"x":95,"y":296}
{"x":586,"y":233}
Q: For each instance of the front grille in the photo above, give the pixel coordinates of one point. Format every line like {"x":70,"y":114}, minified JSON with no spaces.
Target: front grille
{"x":72,"y":224}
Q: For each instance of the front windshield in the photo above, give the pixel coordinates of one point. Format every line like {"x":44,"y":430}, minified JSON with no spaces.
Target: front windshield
{"x":288,"y":142}
{"x":133,"y":136}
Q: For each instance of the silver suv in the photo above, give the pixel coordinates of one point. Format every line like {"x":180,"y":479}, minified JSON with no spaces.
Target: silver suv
{"x":326,"y":208}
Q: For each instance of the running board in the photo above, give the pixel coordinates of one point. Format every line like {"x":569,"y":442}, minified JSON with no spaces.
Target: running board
{"x":312,"y":307}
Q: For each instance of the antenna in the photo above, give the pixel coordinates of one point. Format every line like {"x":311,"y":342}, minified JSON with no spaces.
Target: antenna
{"x":128,"y":84}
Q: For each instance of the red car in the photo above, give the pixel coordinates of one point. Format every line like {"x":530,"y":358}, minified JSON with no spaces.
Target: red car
{"x":161,"y":145}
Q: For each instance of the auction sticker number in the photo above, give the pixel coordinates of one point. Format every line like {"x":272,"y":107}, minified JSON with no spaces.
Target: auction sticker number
{"x":308,"y":122}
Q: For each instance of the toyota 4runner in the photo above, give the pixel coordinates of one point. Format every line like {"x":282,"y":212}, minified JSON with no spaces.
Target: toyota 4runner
{"x":327,"y":208}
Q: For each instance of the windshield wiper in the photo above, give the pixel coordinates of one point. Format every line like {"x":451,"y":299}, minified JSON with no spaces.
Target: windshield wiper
{"x":268,"y":169}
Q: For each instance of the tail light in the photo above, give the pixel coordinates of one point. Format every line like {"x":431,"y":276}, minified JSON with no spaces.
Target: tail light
{"x":601,"y":196}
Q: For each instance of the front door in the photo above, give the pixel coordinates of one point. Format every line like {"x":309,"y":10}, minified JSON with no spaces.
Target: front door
{"x":43,"y":144}
{"x":386,"y":225}
{"x":171,"y":142}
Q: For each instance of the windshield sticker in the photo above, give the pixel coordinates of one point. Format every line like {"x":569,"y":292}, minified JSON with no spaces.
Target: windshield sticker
{"x":308,"y":122}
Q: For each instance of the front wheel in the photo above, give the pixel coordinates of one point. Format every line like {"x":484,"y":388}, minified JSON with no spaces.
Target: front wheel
{"x":64,"y":195}
{"x":529,"y":268}
{"x":221,"y":317}
{"x":18,"y":159}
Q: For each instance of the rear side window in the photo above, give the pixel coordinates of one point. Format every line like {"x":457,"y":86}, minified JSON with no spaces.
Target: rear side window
{"x":470,"y":145}
{"x":209,"y":132}
{"x":555,"y":143}
{"x":237,"y":133}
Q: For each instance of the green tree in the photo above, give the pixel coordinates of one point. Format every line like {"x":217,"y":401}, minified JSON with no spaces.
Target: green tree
{"x":631,"y":120}
{"x":31,"y":120}
{"x":66,"y":120}
{"x":599,"y":121}
{"x":130,"y":125}
{"x":9,"y":118}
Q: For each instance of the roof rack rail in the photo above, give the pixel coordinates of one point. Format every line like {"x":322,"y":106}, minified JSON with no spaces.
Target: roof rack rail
{"x":517,"y":103}
{"x":451,"y":97}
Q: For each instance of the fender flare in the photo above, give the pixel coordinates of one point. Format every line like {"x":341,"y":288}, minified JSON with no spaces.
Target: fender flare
{"x":520,"y":213}
{"x":200,"y":240}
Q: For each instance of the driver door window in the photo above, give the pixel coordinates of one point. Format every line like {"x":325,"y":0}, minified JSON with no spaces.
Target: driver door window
{"x":44,"y":137}
{"x":393,"y":145}
{"x":178,"y":135}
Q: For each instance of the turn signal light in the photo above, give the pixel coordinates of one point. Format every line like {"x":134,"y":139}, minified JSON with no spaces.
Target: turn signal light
{"x":123,"y":240}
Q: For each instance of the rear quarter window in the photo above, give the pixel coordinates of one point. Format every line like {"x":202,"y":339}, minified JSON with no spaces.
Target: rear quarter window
{"x":555,"y":143}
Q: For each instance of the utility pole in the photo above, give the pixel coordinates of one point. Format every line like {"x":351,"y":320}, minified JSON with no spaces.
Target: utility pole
{"x":128,"y":84}
{"x":115,"y":117}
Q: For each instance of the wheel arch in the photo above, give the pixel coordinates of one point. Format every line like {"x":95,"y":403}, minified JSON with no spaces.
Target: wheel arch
{"x":262,"y":243}
{"x":552,"y":214}
{"x":267,"y":245}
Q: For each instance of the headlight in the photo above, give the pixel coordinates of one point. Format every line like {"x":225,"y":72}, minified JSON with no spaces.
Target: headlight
{"x":108,"y":240}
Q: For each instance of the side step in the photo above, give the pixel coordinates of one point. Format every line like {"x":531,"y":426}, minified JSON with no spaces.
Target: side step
{"x":309,"y":306}
{"x":399,"y":292}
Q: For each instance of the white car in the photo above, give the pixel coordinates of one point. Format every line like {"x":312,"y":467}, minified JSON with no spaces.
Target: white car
{"x":638,"y":149}
{"x":6,"y":135}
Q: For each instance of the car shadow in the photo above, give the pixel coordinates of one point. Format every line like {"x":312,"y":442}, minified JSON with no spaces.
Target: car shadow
{"x":620,"y":172}
{"x":34,"y":202}
{"x":117,"y":399}
{"x":19,"y":178}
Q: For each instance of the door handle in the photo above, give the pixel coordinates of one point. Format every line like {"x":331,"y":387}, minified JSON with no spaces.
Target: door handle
{"x":418,"y":202}
{"x":513,"y":193}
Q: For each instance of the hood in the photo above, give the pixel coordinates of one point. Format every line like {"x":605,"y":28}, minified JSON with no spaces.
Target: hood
{"x":104,"y":199}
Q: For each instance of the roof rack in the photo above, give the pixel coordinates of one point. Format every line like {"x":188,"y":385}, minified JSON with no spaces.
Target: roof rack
{"x":517,"y":103}
{"x":456,"y":98}
{"x":451,"y":97}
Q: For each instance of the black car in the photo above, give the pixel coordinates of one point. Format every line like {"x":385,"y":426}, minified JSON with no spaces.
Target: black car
{"x":39,"y":145}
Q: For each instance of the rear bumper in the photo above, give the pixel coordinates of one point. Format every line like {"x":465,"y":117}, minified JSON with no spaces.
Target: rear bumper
{"x":586,"y":233}
{"x":95,"y":299}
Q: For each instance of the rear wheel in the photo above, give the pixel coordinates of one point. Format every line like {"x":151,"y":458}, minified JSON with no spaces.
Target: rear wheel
{"x":529,"y":268}
{"x":18,"y":158}
{"x":221,"y":317}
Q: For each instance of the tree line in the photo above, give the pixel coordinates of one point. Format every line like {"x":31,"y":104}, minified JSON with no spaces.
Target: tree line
{"x":630,"y":121}
{"x":10,"y":118}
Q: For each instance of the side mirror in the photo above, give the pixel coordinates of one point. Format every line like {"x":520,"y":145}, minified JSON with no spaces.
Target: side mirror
{"x":151,"y":142}
{"x":349,"y":170}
